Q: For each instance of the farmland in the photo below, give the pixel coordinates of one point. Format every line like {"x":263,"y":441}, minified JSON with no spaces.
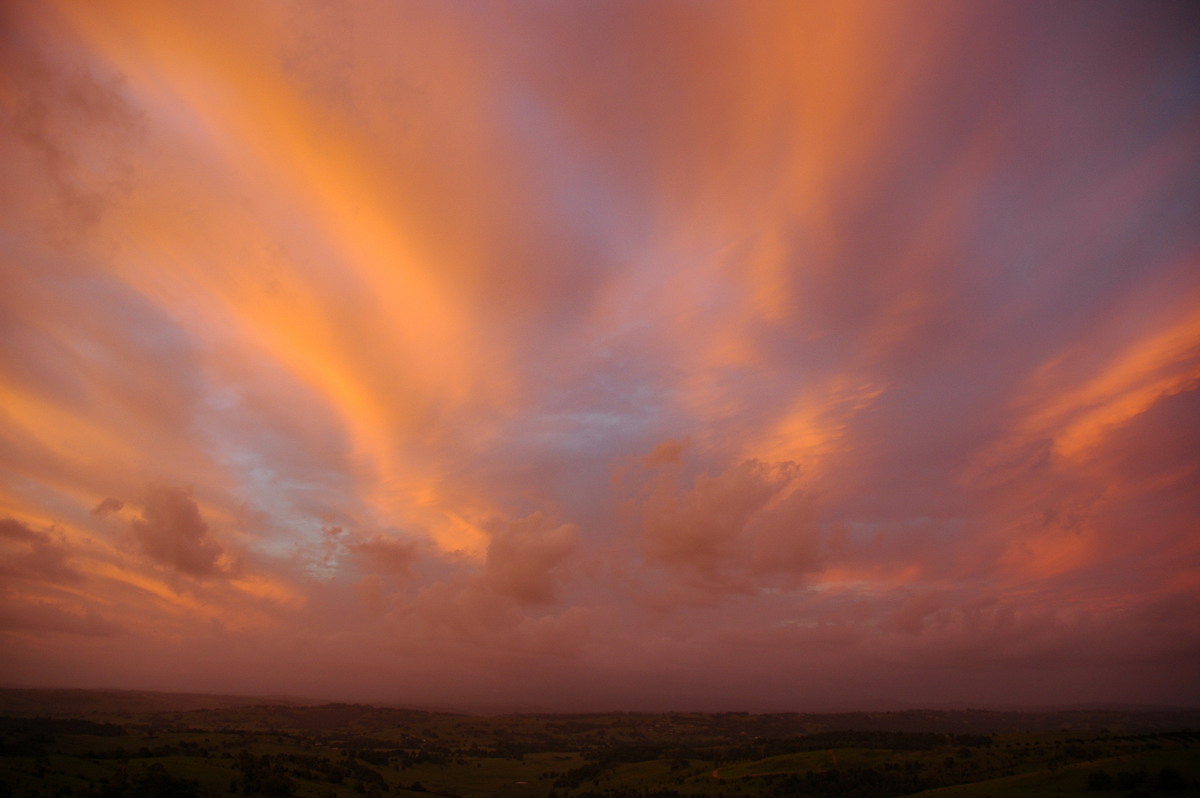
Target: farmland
{"x":111,"y":744}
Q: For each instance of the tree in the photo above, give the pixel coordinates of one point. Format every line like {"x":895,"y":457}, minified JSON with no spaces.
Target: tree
{"x":1170,"y":779}
{"x":1099,"y":780}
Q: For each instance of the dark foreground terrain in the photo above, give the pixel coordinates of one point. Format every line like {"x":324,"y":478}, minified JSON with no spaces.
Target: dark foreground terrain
{"x":111,"y":744}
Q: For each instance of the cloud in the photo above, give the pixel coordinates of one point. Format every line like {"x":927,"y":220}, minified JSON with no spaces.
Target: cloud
{"x":78,"y":180}
{"x":29,"y":554}
{"x":668,"y":453}
{"x":44,"y":617}
{"x":107,"y":507}
{"x":910,"y":616}
{"x":171,"y":532}
{"x":384,"y":555}
{"x":726,"y":531}
{"x":524,"y":558}
{"x":370,"y":589}
{"x":845,"y":348}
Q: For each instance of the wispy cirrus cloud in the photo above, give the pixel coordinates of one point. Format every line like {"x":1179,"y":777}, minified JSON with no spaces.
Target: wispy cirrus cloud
{"x":764,"y":356}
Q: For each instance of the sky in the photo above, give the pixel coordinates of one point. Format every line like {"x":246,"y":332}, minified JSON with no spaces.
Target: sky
{"x":660,"y":355}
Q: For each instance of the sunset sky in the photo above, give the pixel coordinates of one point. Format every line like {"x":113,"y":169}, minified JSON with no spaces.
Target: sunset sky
{"x":602,"y":355}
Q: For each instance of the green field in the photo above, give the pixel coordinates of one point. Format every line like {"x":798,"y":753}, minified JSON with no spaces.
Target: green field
{"x":142,"y":746}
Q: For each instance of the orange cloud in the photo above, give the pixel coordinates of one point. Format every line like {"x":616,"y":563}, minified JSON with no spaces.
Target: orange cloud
{"x":523,"y":556}
{"x":791,"y":347}
{"x":34,"y":555}
{"x":1078,"y":413}
{"x":171,"y":531}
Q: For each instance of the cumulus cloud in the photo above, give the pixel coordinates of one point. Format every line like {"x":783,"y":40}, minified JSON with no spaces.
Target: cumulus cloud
{"x":385,"y":555}
{"x":107,"y":506}
{"x":78,"y":178}
{"x":667,"y":453}
{"x":45,"y":617}
{"x":371,"y":591}
{"x":524,"y":558}
{"x":171,"y":532}
{"x":910,"y":617}
{"x":748,"y":521}
{"x":30,"y":554}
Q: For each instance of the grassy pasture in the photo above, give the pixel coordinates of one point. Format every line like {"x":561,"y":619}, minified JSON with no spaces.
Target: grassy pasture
{"x":341,"y":751}
{"x":1071,"y":781}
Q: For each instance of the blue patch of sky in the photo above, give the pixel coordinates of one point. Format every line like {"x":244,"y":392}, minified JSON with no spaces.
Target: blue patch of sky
{"x":270,"y":473}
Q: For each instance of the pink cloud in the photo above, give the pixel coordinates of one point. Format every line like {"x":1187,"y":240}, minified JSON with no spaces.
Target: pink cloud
{"x":525,"y":556}
{"x":171,"y":532}
{"x":910,"y":617}
{"x":730,"y":531}
{"x":385,"y":555}
{"x":626,"y":355}
{"x":107,"y":506}
{"x":30,"y":554}
{"x":43,"y":618}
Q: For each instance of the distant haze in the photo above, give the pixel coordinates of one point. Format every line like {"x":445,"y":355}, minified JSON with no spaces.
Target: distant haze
{"x":602,"y":356}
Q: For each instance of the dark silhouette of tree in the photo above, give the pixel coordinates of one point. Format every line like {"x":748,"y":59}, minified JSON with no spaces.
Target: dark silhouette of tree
{"x":1099,"y":780}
